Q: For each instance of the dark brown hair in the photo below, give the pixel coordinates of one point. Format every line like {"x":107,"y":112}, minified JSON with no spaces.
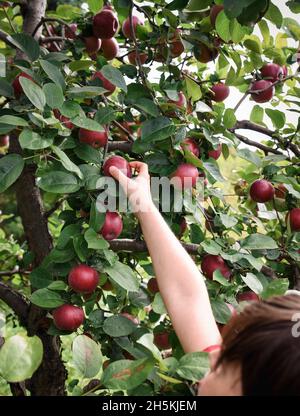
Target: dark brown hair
{"x":262,"y":340}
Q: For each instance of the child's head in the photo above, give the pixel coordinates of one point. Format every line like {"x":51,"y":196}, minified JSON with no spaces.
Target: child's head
{"x":260,"y":354}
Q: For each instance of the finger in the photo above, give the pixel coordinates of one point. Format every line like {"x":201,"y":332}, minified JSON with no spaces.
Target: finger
{"x":141,"y":167}
{"x":119,"y":176}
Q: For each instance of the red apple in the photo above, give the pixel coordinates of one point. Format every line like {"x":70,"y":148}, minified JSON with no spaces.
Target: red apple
{"x":105,"y":24}
{"x":132,"y":58}
{"x":110,"y":48}
{"x":281,"y":191}
{"x":161,"y":340}
{"x":294,"y":219}
{"x":4,"y":140}
{"x":180,"y":102}
{"x":262,"y":191}
{"x":220,"y":92}
{"x":64,"y":120}
{"x":95,"y":139}
{"x":132,"y":318}
{"x":126,"y":29}
{"x":120,"y":163}
{"x":112,"y":227}
{"x":211,"y":263}
{"x":176,"y":45}
{"x":70,"y":31}
{"x":266,"y":91}
{"x":18,"y":90}
{"x":182,"y":227}
{"x":247,"y":296}
{"x":216,"y":153}
{"x":152,"y":286}
{"x":83,"y":279}
{"x":92,"y":44}
{"x":191,"y":145}
{"x":186,"y":176}
{"x":214,"y":11}
{"x":105,"y":82}
{"x":272,"y":72}
{"x":68,"y":317}
{"x":204,"y":54}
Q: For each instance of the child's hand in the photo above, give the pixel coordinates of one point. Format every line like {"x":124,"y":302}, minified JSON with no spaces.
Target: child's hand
{"x":137,"y":189}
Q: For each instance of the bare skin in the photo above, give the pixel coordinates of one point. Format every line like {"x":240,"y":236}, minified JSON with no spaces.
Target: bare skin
{"x":181,"y":284}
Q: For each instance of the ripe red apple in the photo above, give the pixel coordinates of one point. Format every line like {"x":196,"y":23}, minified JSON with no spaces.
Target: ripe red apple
{"x":120,"y":163}
{"x":161,"y":340}
{"x":126,"y":29}
{"x":70,"y":31}
{"x":152,"y":286}
{"x":247,"y":296}
{"x":176,"y":45}
{"x":92,"y":44}
{"x":216,"y":153}
{"x":4,"y":140}
{"x":112,"y":227}
{"x":18,"y":90}
{"x":191,"y":145}
{"x":280,"y":191}
{"x":95,"y":139}
{"x":83,"y":279}
{"x":110,"y":48}
{"x":105,"y":82}
{"x":294,"y":219}
{"x":132,"y":318}
{"x":181,"y":102}
{"x":272,"y":72}
{"x":64,"y":120}
{"x":205,"y":54}
{"x":220,"y":92}
{"x":210,"y":263}
{"x":262,"y":191}
{"x":266,"y":91}
{"x":105,"y":24}
{"x":132,"y":58}
{"x":68,"y":317}
{"x":214,"y":11}
{"x":186,"y":176}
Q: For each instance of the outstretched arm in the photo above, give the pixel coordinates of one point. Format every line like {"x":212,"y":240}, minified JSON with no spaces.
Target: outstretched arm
{"x":180,"y":283}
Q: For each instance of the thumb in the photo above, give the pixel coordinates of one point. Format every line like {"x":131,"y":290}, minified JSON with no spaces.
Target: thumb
{"x":119,"y":176}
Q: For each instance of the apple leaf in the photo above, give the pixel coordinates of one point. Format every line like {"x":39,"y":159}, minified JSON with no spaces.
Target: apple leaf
{"x":87,"y":356}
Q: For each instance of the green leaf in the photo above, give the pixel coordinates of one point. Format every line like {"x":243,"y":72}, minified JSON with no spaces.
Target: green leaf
{"x":66,"y":162}
{"x":259,"y":242}
{"x":33,"y":92}
{"x":118,"y":326}
{"x":157,"y":129}
{"x":193,"y":366}
{"x":234,"y":8}
{"x":88,"y":153}
{"x":54,"y":95}
{"x":87,"y":356}
{"x":257,"y":114}
{"x":27,"y":44}
{"x":253,"y":283}
{"x":45,"y":298}
{"x":212,"y":169}
{"x":80,"y":65}
{"x":105,"y":115}
{"x":11,"y":167}
{"x":114,"y":76}
{"x":97,"y":218}
{"x":13,"y":120}
{"x":228,"y":220}
{"x":6,"y":89}
{"x":127,"y":374}
{"x":87,"y":123}
{"x":158,"y":305}
{"x":40,"y":278}
{"x":221,"y":311}
{"x":193,"y":89}
{"x":229,"y":29}
{"x":277,"y":117}
{"x":274,"y":15}
{"x":20,"y":357}
{"x":218,"y":277}
{"x":275,"y":288}
{"x":32,"y":140}
{"x":53,"y":73}
{"x":250,"y":156}
{"x":67,"y":234}
{"x":229,"y":119}
{"x":59,"y":285}
{"x":95,"y":240}
{"x":59,"y":182}
{"x":86,"y":92}
{"x":95,"y":5}
{"x":123,"y":275}
{"x":147,"y":106}
{"x":253,"y":44}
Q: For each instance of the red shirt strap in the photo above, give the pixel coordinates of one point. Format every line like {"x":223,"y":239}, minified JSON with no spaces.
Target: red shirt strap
{"x":212,"y":348}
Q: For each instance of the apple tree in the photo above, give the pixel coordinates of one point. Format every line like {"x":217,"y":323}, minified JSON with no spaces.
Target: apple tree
{"x":87,"y":86}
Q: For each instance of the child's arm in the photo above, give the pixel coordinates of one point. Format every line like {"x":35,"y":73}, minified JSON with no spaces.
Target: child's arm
{"x":180,"y":283}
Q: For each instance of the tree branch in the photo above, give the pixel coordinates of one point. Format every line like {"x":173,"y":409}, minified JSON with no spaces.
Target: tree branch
{"x":125,"y":147}
{"x":15,"y":301}
{"x":260,"y":146}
